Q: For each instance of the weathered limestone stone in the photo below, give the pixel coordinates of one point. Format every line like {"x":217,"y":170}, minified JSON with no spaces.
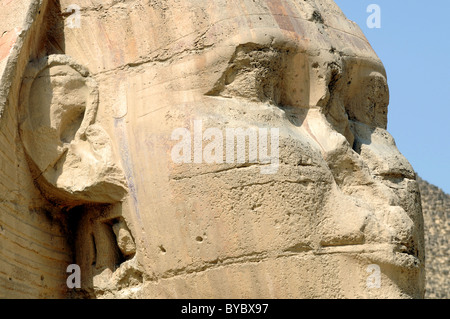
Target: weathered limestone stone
{"x":68,"y":152}
{"x":124,"y":239}
{"x":436,"y":213}
{"x":91,"y":110}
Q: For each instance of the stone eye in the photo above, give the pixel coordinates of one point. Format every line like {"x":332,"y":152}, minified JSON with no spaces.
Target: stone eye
{"x":367,"y":100}
{"x":279,"y":76}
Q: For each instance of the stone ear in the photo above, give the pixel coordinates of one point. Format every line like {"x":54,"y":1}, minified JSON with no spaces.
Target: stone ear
{"x":70,"y":156}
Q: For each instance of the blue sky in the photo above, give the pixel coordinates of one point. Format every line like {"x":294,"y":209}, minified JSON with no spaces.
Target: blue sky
{"x":414,"y":46}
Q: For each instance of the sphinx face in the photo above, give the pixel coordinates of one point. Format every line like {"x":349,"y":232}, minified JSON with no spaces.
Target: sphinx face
{"x":341,"y":199}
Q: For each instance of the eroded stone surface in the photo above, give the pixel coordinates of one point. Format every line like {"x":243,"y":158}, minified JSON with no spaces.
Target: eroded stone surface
{"x":436,"y":211}
{"x":96,"y":122}
{"x":69,"y":152}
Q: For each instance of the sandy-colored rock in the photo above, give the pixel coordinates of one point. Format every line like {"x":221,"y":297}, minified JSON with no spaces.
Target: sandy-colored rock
{"x":70,"y":155}
{"x":436,"y":213}
{"x":318,"y":197}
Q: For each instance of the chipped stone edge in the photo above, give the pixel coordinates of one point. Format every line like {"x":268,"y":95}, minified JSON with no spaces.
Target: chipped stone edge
{"x":10,"y":69}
